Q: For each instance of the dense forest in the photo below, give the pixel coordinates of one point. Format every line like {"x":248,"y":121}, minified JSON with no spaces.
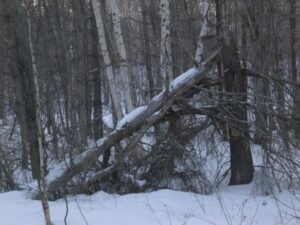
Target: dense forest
{"x":134,"y":95}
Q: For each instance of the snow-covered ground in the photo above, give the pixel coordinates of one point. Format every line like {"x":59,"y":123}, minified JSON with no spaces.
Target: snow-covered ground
{"x":231,"y":205}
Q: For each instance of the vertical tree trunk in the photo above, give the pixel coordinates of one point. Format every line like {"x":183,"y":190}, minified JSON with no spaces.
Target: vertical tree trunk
{"x":51,"y":125}
{"x":81,"y":74}
{"x":219,"y":33}
{"x":94,"y":67}
{"x":41,"y":178}
{"x":147,"y":50}
{"x":165,"y":44}
{"x":241,"y":163}
{"x":125,"y":73}
{"x":2,"y":85}
{"x":22,"y":76}
{"x":294,"y":69}
{"x":20,"y":114}
{"x":204,"y":30}
{"x":4,"y":22}
{"x":108,"y":67}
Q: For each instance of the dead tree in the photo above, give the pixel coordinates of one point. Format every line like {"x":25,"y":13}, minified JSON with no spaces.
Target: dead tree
{"x":141,"y":118}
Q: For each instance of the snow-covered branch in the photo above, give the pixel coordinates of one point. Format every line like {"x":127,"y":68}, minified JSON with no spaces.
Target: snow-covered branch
{"x":133,"y":122}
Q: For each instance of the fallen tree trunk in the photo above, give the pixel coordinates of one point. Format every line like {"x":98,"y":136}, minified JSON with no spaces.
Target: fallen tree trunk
{"x":139,"y":118}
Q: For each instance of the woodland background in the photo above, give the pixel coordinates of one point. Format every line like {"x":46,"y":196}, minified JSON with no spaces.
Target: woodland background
{"x":70,"y":70}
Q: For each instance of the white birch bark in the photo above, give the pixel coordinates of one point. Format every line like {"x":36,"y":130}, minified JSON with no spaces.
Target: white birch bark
{"x":203,"y":32}
{"x":125,"y":74}
{"x":165,"y":45}
{"x":107,"y":60}
{"x":41,"y":180}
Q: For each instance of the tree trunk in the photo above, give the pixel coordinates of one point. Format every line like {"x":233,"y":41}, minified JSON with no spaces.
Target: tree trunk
{"x":4,"y":22}
{"x":107,"y":60}
{"x":2,"y":84}
{"x":125,"y":73}
{"x":235,"y":80}
{"x":147,"y":117}
{"x":97,"y":76}
{"x":204,"y":30}
{"x":41,"y":177}
{"x":165,"y":45}
{"x":294,"y":69}
{"x":20,"y":114}
{"x":147,"y":50}
{"x":22,"y":74}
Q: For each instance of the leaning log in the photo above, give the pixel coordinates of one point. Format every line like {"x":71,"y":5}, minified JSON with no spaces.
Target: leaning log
{"x":138,"y":119}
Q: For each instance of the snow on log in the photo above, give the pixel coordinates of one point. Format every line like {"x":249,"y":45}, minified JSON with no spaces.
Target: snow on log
{"x":133,"y":122}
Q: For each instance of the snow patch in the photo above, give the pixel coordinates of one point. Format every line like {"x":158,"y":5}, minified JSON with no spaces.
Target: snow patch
{"x":131,"y":116}
{"x":232,"y":205}
{"x":183,"y":78}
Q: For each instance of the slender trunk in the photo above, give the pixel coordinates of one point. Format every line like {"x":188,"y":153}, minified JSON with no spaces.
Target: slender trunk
{"x":88,"y":84}
{"x":107,"y":60}
{"x":147,"y":50}
{"x":41,"y":178}
{"x":219,"y":32}
{"x":81,"y":75}
{"x":125,"y":73}
{"x":165,"y":45}
{"x":97,"y":76}
{"x":51,"y":125}
{"x":294,"y":69}
{"x":293,"y":44}
{"x":22,"y":74}
{"x":204,"y":30}
{"x":20,"y":113}
{"x":4,"y":22}
{"x":2,"y":88}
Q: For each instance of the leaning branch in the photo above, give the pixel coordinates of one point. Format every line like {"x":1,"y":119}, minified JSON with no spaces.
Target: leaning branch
{"x":133,"y":122}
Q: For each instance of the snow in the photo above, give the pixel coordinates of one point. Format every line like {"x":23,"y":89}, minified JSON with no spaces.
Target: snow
{"x":108,"y":120}
{"x":131,"y":116}
{"x":231,"y":205}
{"x":158,"y":97}
{"x":183,"y":78}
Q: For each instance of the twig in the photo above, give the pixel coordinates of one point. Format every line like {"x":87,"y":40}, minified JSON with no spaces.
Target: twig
{"x":81,"y":212}
{"x":67,"y":209}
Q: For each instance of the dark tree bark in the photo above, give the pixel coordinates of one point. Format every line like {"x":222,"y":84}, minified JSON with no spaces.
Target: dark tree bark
{"x":94,"y":67}
{"x":147,"y":49}
{"x":294,"y":69}
{"x":21,"y":68}
{"x":235,"y":82}
{"x":19,"y":110}
{"x":4,"y":25}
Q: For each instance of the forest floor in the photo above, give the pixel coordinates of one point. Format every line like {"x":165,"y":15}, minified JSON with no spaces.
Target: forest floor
{"x":230,"y":205}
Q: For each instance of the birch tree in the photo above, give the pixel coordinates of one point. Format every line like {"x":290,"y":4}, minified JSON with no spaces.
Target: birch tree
{"x":41,"y":179}
{"x":107,"y":60}
{"x":125,"y":73}
{"x":165,"y":44}
{"x":203,"y":32}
